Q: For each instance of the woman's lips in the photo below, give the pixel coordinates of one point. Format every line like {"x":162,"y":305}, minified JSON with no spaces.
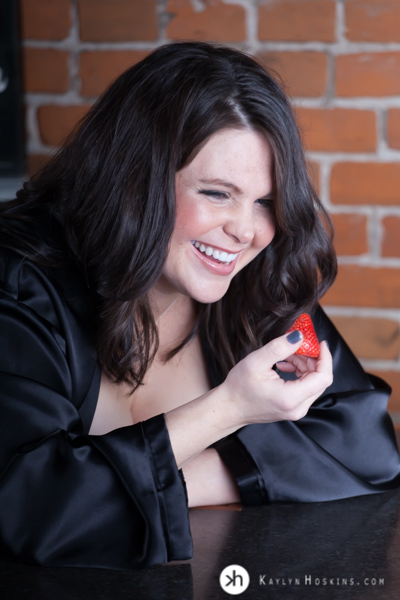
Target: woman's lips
{"x":214,"y":265}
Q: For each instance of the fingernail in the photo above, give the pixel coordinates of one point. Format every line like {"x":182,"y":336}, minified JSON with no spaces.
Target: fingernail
{"x":294,"y":336}
{"x":327,"y":343}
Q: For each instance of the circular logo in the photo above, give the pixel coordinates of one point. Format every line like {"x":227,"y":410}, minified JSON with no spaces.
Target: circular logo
{"x":234,"y":579}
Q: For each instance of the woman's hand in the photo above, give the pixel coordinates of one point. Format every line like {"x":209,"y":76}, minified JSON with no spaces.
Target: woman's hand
{"x":257,"y":394}
{"x":252,"y":393}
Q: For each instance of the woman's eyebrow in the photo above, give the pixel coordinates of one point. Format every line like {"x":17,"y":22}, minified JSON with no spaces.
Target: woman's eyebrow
{"x":222,"y":182}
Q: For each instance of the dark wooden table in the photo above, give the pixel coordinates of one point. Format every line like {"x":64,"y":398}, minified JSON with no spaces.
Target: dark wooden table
{"x":343,"y":549}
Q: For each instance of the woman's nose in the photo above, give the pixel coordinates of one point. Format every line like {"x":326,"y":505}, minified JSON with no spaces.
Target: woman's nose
{"x":240,"y":226}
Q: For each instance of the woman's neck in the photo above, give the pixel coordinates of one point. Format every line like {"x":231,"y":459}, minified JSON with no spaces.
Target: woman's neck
{"x":175,"y":316}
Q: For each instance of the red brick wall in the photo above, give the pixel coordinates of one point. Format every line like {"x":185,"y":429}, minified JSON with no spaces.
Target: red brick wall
{"x":340,"y":60}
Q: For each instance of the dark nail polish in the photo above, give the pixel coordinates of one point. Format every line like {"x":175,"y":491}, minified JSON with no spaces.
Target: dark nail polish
{"x":294,"y":336}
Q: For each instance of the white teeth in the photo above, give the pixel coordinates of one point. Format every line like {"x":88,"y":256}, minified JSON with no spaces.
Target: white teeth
{"x":217,"y":254}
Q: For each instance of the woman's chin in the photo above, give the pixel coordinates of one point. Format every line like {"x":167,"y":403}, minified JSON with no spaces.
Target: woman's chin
{"x":208,"y":296}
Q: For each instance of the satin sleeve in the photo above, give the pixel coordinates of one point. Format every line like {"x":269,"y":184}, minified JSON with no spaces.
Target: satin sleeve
{"x":345,"y":446}
{"x":66,"y":497}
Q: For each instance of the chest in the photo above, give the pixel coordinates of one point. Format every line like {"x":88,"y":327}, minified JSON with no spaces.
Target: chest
{"x":167,"y":385}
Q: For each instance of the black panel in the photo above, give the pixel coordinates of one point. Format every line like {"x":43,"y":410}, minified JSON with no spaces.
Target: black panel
{"x":11,"y":114}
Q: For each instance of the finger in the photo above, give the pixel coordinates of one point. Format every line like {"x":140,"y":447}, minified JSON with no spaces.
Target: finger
{"x":312,"y":384}
{"x":306,"y":364}
{"x":324,"y":361}
{"x":303,"y":364}
{"x":286,"y":367}
{"x":299,"y":365}
{"x":281,"y":348}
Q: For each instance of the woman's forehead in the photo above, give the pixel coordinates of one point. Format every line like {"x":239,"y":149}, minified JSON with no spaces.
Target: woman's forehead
{"x":234,"y":159}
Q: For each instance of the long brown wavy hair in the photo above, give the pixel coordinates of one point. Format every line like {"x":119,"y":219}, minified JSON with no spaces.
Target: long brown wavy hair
{"x":112,"y":185}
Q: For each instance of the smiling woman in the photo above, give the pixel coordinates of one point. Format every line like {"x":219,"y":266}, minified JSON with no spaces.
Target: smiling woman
{"x":148,"y":274}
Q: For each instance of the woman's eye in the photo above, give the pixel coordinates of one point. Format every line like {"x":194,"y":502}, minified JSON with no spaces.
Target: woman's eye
{"x":267,"y":202}
{"x":214,"y":194}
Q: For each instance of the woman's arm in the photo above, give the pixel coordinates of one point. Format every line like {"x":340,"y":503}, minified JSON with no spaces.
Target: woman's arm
{"x":252,"y":393}
{"x":208,"y":480}
{"x":66,"y":497}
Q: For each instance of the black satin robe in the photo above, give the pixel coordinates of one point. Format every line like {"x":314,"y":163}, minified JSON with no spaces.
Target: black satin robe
{"x":118,"y":500}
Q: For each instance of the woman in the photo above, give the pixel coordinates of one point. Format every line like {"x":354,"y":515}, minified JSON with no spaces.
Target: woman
{"x":149,"y":274}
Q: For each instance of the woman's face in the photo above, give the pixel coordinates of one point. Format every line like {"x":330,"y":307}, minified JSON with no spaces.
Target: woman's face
{"x":224,"y":215}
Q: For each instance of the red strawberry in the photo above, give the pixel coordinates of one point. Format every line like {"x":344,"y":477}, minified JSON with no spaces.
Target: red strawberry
{"x":310,"y":345}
